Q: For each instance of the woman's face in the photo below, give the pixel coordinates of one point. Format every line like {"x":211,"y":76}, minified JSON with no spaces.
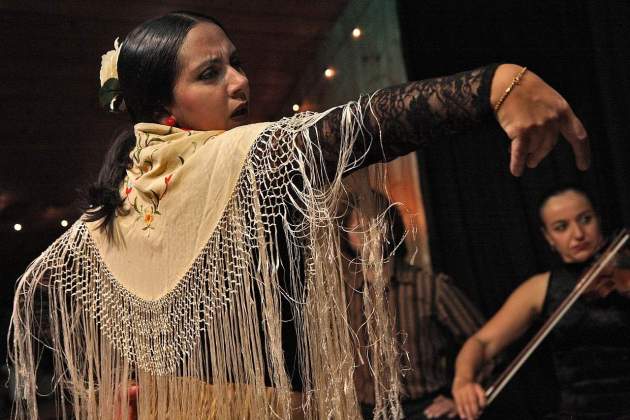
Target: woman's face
{"x":211,"y":90}
{"x":571,"y":226}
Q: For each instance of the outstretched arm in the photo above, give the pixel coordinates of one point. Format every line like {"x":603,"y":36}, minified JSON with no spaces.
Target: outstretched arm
{"x":411,"y":115}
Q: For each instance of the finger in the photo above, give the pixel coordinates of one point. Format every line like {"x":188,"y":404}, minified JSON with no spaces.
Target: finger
{"x":534,"y":142}
{"x":464,"y":406}
{"x":470,"y":410}
{"x":466,"y":410}
{"x":518,"y":151}
{"x":459,"y":405}
{"x":481,"y":397}
{"x":478,"y":402}
{"x":471,"y":406}
{"x":549,"y":138}
{"x":575,"y":133}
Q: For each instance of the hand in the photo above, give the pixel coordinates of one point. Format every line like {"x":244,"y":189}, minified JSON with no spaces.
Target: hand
{"x":603,"y":285}
{"x":470,"y":398}
{"x":613,"y":277}
{"x":533,"y":115}
{"x":440,"y":407}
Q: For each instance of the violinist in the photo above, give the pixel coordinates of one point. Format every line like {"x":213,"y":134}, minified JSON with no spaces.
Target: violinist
{"x":590,"y":345}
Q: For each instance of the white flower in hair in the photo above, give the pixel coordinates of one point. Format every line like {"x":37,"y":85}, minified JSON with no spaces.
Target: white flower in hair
{"x":109,"y":63}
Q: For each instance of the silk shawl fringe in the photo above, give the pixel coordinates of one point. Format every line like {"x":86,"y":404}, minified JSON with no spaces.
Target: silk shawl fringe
{"x":212,"y":347}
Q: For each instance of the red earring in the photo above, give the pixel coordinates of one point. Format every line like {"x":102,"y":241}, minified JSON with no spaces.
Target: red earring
{"x":170,"y":121}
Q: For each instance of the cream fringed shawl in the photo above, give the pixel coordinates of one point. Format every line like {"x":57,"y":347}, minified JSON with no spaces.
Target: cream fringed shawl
{"x":186,"y":300}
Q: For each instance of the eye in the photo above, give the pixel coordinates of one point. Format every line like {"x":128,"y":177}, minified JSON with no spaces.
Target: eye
{"x":586,"y":219}
{"x":209,"y":73}
{"x":560,"y":227}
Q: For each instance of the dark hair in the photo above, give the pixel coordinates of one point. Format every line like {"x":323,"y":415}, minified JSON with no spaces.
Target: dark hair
{"x":147,"y":70}
{"x":561,"y":189}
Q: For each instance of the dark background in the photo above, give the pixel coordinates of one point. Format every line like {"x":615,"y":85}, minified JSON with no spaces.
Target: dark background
{"x":483,"y":222}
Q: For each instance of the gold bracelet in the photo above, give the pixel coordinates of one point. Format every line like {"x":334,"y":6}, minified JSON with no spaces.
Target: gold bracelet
{"x":515,"y":81}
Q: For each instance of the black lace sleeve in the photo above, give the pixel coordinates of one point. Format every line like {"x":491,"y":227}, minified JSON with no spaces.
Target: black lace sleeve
{"x":411,"y":115}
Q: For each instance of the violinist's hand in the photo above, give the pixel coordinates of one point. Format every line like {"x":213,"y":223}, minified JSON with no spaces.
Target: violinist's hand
{"x":603,"y":285}
{"x":470,"y":398}
{"x":610,"y":279}
{"x":533,"y":115}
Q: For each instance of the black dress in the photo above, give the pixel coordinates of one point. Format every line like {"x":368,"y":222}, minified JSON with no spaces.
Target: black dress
{"x":591,"y":350}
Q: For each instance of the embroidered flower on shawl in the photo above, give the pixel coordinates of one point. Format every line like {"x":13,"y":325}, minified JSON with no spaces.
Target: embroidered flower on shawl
{"x":146,"y":212}
{"x":148,"y":217}
{"x":156,"y":154}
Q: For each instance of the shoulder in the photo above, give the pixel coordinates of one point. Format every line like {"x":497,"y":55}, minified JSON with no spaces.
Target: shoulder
{"x":538,"y":281}
{"x":533,"y":290}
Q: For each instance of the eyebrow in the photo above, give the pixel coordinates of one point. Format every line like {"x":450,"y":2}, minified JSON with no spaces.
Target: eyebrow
{"x":212,"y":60}
{"x":207,"y":63}
{"x":585,"y":212}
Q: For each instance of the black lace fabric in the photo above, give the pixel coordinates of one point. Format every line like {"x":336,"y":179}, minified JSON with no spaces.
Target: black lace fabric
{"x":411,"y":115}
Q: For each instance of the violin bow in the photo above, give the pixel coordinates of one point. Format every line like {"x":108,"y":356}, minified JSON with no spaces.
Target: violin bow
{"x":584,"y":282}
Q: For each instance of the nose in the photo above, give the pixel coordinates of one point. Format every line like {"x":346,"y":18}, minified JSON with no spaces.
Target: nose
{"x":578,"y":231}
{"x":238,"y":84}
